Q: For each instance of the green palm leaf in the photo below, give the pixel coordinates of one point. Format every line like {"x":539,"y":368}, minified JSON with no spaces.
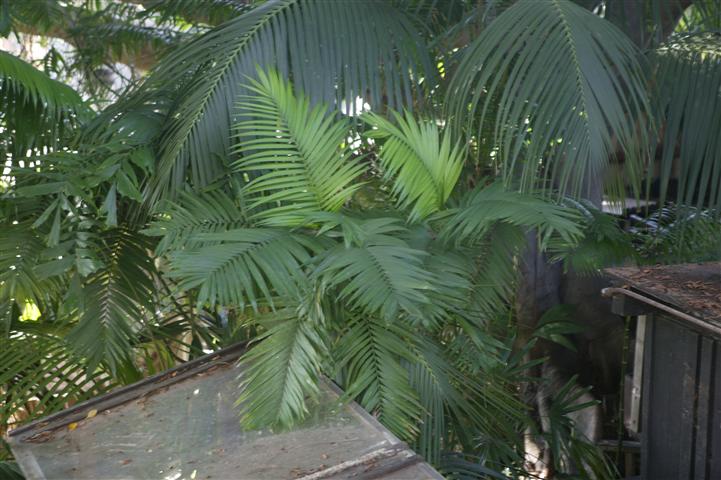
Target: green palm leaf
{"x":333,"y":51}
{"x":281,"y":371}
{"x":566,"y":87}
{"x":423,"y":164}
{"x":298,"y":151}
{"x":377,"y":271}
{"x":114,"y":300}
{"x":689,"y":101}
{"x":242,"y":266}
{"x":34,"y":109}
{"x":44,"y":367}
{"x":484,"y":207}
{"x":194,"y":213}
{"x":370,"y":352}
{"x":452,"y":395}
{"x":21,"y":82}
{"x":20,"y":252}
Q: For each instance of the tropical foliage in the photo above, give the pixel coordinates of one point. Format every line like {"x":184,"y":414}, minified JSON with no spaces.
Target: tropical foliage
{"x":346,"y":185}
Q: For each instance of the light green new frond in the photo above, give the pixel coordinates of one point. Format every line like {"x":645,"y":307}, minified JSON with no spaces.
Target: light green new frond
{"x":380,"y":275}
{"x":114,"y":300}
{"x":485,"y":206}
{"x":281,"y":371}
{"x":422,"y":164}
{"x":370,"y":352}
{"x":245,"y":266}
{"x":557,"y":89}
{"x":194,"y":213}
{"x":293,"y":152}
{"x":333,"y":51}
{"x":40,"y":367}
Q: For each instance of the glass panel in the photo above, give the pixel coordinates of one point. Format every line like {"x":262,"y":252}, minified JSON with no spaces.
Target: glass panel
{"x":190,"y":430}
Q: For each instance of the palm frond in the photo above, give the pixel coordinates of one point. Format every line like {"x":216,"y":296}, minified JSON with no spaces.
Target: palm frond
{"x":676,"y":234}
{"x":689,"y":100}
{"x":114,"y":300}
{"x":604,"y":242}
{"x":314,"y":42}
{"x":180,"y":222}
{"x":244,"y":266}
{"x":566,"y":88}
{"x":21,"y":250}
{"x":423,"y":164}
{"x":281,"y":373}
{"x":456,"y":401}
{"x":34,"y":109}
{"x":496,"y":274}
{"x":294,"y":152}
{"x":44,"y":369}
{"x":485,"y":206}
{"x":377,"y":271}
{"x":370,"y":352}
{"x":21,"y":82}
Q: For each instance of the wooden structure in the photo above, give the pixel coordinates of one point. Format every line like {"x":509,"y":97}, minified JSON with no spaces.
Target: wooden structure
{"x":676,"y":383}
{"x":183,"y":424}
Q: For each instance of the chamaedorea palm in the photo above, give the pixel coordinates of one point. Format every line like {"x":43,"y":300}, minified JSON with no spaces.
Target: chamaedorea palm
{"x":378,"y":299}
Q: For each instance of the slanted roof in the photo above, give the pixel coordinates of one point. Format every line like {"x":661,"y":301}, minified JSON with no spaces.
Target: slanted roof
{"x":183,"y":424}
{"x":693,"y":288}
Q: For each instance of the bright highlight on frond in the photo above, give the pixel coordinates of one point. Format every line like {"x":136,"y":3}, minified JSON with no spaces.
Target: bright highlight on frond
{"x":421,"y":164}
{"x":293,"y":151}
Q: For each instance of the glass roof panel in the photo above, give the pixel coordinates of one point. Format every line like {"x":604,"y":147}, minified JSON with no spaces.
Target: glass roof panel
{"x":184,"y":425}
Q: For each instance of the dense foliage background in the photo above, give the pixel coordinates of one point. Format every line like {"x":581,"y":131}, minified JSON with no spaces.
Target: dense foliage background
{"x":348,"y":185}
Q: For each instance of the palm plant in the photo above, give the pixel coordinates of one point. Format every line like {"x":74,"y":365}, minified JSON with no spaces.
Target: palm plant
{"x":373,"y":298}
{"x":237,"y":193}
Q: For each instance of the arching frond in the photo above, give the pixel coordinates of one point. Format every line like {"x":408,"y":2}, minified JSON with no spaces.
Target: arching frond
{"x":281,"y":372}
{"x":45,"y":368}
{"x":21,"y":82}
{"x":370,"y":352}
{"x":556,"y":89}
{"x":485,"y":206}
{"x":245,"y":265}
{"x":114,"y":300}
{"x":496,"y":273}
{"x":379,"y":273}
{"x":422,"y":164}
{"x":333,"y":51}
{"x":21,"y":250}
{"x":179,"y":223}
{"x":294,"y":152}
{"x":689,"y":108}
{"x":34,"y":109}
{"x":452,"y":396}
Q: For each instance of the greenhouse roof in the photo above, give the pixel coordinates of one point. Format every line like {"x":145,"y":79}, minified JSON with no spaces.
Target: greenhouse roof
{"x":183,"y":424}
